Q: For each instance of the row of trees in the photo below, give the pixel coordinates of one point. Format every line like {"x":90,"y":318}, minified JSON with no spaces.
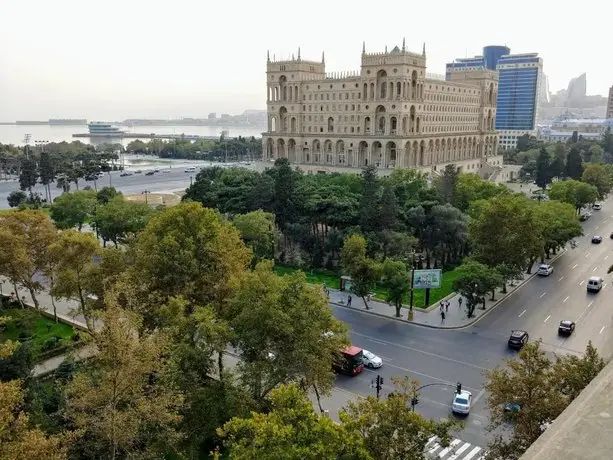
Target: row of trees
{"x":160,"y":310}
{"x":224,"y":149}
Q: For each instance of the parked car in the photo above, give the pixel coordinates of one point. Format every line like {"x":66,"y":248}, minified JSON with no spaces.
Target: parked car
{"x":597,"y":207}
{"x":566,"y":327}
{"x":597,"y":239}
{"x":518,"y":339}
{"x":544,"y":270}
{"x":149,"y":173}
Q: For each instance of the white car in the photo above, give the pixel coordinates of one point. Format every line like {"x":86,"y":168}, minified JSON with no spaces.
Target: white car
{"x":371,"y":360}
{"x":545,"y":270}
{"x":461,"y":402}
{"x":597,"y":207}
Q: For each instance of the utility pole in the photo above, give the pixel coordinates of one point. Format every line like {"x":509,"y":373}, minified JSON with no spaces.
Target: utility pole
{"x":377,"y":384}
{"x":146,"y":193}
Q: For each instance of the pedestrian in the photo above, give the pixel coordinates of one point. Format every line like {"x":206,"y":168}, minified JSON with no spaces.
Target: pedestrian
{"x":349,"y":301}
{"x":460,"y":302}
{"x":441,"y":306}
{"x":442,"y":316}
{"x":446,"y":306}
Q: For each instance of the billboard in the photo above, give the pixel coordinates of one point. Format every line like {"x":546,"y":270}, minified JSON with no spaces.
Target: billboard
{"x":424,"y":279}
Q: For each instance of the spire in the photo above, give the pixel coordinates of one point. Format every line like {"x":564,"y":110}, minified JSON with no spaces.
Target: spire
{"x":293,"y":57}
{"x":323,"y":57}
{"x":363,"y":47}
{"x":268,"y":55}
{"x":385,"y":49}
{"x":423,"y":53}
{"x":404,"y":48}
{"x":298,"y":53}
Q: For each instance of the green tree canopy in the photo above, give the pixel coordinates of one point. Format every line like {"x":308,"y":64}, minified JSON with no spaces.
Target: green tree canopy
{"x":73,"y":209}
{"x":573,"y":192}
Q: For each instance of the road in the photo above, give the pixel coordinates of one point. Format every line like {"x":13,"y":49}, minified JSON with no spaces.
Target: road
{"x":167,"y":180}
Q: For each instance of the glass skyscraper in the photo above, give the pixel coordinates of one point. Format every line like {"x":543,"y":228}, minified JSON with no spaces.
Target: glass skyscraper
{"x":519,"y":80}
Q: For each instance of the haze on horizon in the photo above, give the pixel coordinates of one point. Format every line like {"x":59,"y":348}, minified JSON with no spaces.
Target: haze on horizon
{"x":136,"y":59}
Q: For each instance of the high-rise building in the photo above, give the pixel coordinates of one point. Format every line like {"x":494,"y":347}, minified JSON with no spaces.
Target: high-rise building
{"x":519,"y":89}
{"x":390,"y":114}
{"x":577,"y":89}
{"x":610,"y":104}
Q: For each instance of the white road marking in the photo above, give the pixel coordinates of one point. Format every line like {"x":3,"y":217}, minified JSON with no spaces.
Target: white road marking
{"x":575,"y":266}
{"x":460,"y":451}
{"x":376,"y":341}
{"x":472,"y":453}
{"x":479,"y":396}
{"x":581,"y":283}
{"x":547,"y":319}
{"x":602,"y":329}
{"x":595,"y":268}
{"x":561,"y":278}
{"x":521,"y":314}
{"x":452,"y":444}
{"x":590,"y":304}
{"x":542,"y":295}
{"x":597,"y":227}
{"x":567,"y":297}
{"x":587,"y":254}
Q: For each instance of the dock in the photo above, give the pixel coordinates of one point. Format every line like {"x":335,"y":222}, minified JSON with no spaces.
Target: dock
{"x":189,"y":137}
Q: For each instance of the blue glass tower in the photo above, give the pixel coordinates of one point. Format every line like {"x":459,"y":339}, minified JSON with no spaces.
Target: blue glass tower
{"x":492,"y":54}
{"x":518,"y":91}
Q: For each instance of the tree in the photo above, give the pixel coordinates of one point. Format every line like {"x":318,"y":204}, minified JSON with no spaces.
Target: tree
{"x":573,"y":192}
{"x":470,"y":188}
{"x":119,"y":219}
{"x":600,"y":177}
{"x":559,"y":224}
{"x":28,"y":175}
{"x":396,"y":279}
{"x":16,"y":198}
{"x":123,"y":400}
{"x":25,"y":237}
{"x":448,"y":183}
{"x":290,"y":431}
{"x":18,"y":439}
{"x":388,"y":210}
{"x":475,"y":280}
{"x":364,"y":271}
{"x":106,"y":194}
{"x":74,"y":254}
{"x":506,"y":217}
{"x":71,"y":210}
{"x":540,"y":389}
{"x":279,"y":325}
{"x":574,"y":163}
{"x":389,"y":428}
{"x":543,"y":174}
{"x":607,"y":141}
{"x":257,"y":230}
{"x":369,"y":202}
{"x":285,"y":196}
{"x":46,"y":169}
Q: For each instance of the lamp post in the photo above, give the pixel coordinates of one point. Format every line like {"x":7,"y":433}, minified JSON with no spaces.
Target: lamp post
{"x":415,"y":399}
{"x":146,"y":193}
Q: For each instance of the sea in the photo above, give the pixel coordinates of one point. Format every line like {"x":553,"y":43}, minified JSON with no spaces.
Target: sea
{"x":42,"y":134}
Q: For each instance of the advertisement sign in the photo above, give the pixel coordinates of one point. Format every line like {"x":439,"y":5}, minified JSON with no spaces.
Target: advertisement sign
{"x":425,"y":279}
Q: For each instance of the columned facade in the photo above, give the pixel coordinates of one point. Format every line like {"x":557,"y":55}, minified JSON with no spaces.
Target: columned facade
{"x":389,"y":114}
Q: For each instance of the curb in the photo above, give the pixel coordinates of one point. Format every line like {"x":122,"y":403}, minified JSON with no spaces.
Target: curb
{"x":450,"y":328}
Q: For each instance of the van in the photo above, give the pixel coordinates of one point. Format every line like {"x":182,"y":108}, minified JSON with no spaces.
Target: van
{"x":594,"y":284}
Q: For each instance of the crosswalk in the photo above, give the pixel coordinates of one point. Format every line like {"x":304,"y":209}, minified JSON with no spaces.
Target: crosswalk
{"x":456,"y":450}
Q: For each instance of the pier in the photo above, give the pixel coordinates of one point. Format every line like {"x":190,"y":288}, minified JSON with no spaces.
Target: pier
{"x":189,"y":137}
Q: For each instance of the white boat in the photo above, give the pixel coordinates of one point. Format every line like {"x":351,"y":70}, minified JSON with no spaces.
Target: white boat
{"x":103,"y":129}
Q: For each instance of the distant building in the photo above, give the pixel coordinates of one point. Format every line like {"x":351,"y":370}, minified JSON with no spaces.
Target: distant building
{"x":212,"y":116}
{"x":225,"y":116}
{"x":519,"y":89}
{"x":389,"y":113}
{"x":577,"y":90}
{"x":562,"y":130}
{"x":610,"y":104}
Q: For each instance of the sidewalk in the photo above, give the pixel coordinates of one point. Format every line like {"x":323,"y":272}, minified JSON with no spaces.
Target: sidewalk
{"x":455,"y":317}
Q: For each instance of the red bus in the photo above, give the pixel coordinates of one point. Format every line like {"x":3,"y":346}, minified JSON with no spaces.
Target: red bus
{"x":349,"y":361}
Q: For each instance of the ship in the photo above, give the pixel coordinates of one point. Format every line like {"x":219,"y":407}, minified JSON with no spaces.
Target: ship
{"x":103,"y":129}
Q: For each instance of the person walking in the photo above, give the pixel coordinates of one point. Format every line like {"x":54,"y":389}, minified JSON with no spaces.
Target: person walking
{"x":446,"y":306}
{"x":441,"y":306}
{"x":442,"y":316}
{"x":460,"y":302}
{"x":349,"y":301}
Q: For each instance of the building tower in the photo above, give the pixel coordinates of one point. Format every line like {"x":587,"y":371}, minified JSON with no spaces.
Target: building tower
{"x":610,"y":104}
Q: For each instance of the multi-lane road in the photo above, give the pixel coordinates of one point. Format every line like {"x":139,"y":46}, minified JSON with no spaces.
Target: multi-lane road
{"x":447,"y":356}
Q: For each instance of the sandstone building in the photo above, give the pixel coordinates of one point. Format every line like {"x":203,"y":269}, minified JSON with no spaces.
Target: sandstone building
{"x":390,"y":113}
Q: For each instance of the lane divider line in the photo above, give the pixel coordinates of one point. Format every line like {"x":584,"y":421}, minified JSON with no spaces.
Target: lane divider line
{"x":567,"y":297}
{"x":542,"y":295}
{"x":547,"y":319}
{"x":522,"y":313}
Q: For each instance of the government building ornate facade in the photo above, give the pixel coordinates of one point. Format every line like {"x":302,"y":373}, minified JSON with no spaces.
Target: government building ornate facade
{"x":390,"y":114}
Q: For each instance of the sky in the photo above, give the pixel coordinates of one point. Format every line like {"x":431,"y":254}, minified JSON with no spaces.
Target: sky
{"x":117,"y":59}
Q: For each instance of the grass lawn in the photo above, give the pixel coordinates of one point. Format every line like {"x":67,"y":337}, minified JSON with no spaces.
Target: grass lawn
{"x":28,"y":325}
{"x":333,"y":281}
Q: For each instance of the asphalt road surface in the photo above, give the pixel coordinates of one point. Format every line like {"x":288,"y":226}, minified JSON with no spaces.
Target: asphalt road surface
{"x":167,"y":180}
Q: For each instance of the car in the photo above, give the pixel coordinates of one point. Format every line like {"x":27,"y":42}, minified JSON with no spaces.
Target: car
{"x":190,"y":169}
{"x":461,"y":402}
{"x":165,"y":171}
{"x":126,"y":174}
{"x":597,"y":207}
{"x":597,"y":239}
{"x":585,"y":216}
{"x":594,"y":284}
{"x":611,"y":236}
{"x":149,"y":173}
{"x":138,"y":171}
{"x":156,"y":170}
{"x":371,"y":360}
{"x":518,"y":339}
{"x":544,"y":270}
{"x":566,"y":327}
{"x":512,"y":407}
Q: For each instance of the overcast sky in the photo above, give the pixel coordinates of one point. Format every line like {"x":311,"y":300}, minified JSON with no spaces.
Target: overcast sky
{"x":117,"y":59}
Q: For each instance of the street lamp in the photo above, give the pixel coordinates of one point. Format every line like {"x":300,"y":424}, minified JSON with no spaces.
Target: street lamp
{"x":415,"y":399}
{"x":146,"y":193}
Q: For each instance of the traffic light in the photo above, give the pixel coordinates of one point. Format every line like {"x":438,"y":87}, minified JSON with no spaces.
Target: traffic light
{"x":414,"y":402}
{"x":458,"y":388}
